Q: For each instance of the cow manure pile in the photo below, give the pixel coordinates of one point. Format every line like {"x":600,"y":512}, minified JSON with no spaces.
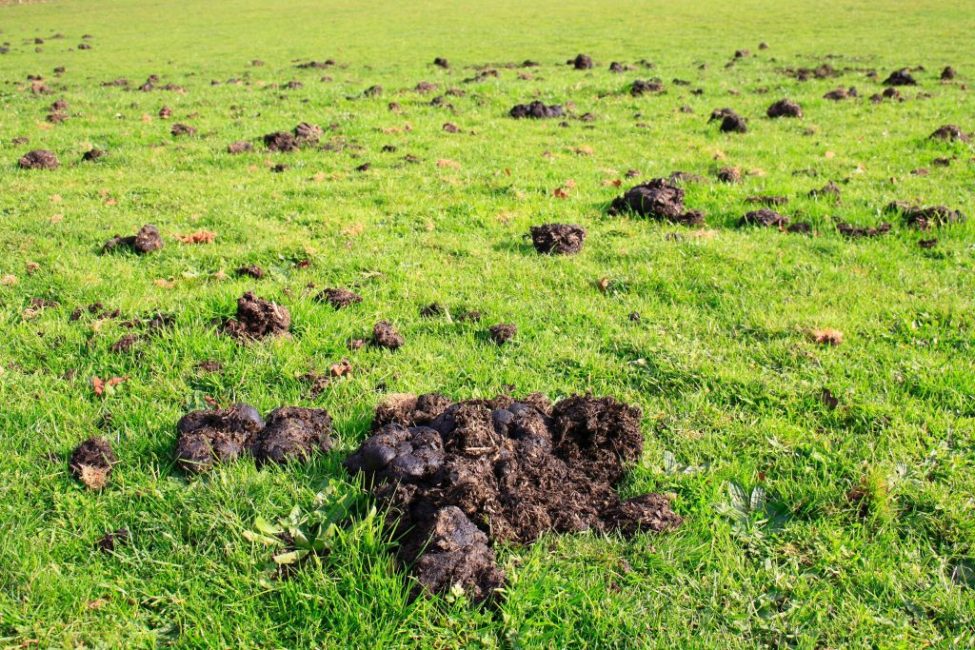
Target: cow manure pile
{"x":257,"y":318}
{"x":145,"y":241}
{"x":558,"y":238}
{"x":536,"y":110}
{"x":459,"y":478}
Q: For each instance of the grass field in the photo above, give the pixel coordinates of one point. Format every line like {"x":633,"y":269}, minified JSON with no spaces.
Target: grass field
{"x":873,"y":545}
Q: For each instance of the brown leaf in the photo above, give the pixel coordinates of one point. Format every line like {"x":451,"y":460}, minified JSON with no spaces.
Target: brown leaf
{"x":340,"y":369}
{"x":602,"y":284}
{"x":448,"y":164}
{"x":827,"y":336}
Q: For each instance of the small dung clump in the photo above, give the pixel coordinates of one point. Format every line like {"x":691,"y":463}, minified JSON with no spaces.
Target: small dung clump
{"x":502,"y":332}
{"x":647,"y":87}
{"x":292,"y":433}
{"x":581,"y":62}
{"x":239,"y":147}
{"x":257,"y":318}
{"x":950,"y":133}
{"x":91,"y":462}
{"x":145,"y":241}
{"x":441,"y":62}
{"x":384,"y":335}
{"x":784,"y":108}
{"x":858,"y":232}
{"x":39,"y":159}
{"x":657,"y":199}
{"x":281,"y":141}
{"x":93,"y":154}
{"x":948,"y":73}
{"x":731,"y":122}
{"x":764,"y":217}
{"x":338,"y":298}
{"x":458,"y":478}
{"x":180,"y":129}
{"x":900,"y":77}
{"x":558,"y":238}
{"x":536,"y":110}
{"x":729,"y":175}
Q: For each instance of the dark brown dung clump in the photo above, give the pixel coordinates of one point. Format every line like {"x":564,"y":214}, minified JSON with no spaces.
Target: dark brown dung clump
{"x":39,"y":159}
{"x":384,"y":335}
{"x":257,"y":318}
{"x":859,"y":232}
{"x":338,"y":298}
{"x":293,"y":432}
{"x":784,"y":108}
{"x":900,"y":77}
{"x":650,"y":86}
{"x":558,"y":238}
{"x":581,"y":62}
{"x":657,"y":199}
{"x":146,"y":240}
{"x":923,"y":218}
{"x":731,"y":122}
{"x":950,"y":132}
{"x":502,"y":332}
{"x":764,"y":217}
{"x":536,"y":110}
{"x":91,"y":462}
{"x":459,"y":477}
{"x":281,"y":141}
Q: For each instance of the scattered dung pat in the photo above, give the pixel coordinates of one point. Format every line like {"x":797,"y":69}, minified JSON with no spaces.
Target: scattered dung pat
{"x":257,"y":318}
{"x":924,"y":218}
{"x":784,"y":108}
{"x":292,"y":433}
{"x":338,"y":298}
{"x":146,"y":240}
{"x":91,"y":462}
{"x":859,"y":232}
{"x":764,"y":217}
{"x":558,"y":238}
{"x":731,"y":122}
{"x":950,"y":132}
{"x":461,"y":477}
{"x":659,"y":200}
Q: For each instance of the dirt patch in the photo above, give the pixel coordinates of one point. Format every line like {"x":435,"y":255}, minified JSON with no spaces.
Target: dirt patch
{"x":209,"y":437}
{"x":764,"y":217}
{"x":293,"y":433}
{"x":146,"y":240}
{"x":536,"y":110}
{"x":39,"y":159}
{"x":950,"y":132}
{"x":257,"y":318}
{"x":923,"y":218}
{"x":91,"y":462}
{"x":384,"y":335}
{"x":900,"y":77}
{"x":731,"y":122}
{"x":461,"y":477}
{"x":339,"y":298}
{"x":659,"y":200}
{"x":784,"y":108}
{"x":581,"y":62}
{"x":859,"y":232}
{"x":239,"y":147}
{"x":502,"y":332}
{"x":558,"y":238}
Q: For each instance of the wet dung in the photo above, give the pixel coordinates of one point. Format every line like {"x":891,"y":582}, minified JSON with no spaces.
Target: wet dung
{"x":210,"y":437}
{"x":459,"y":478}
{"x":257,"y":318}
{"x":91,"y":462}
{"x":558,"y":238}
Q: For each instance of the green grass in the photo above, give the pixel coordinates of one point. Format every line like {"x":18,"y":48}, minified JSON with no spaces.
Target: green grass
{"x":720,"y":363}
